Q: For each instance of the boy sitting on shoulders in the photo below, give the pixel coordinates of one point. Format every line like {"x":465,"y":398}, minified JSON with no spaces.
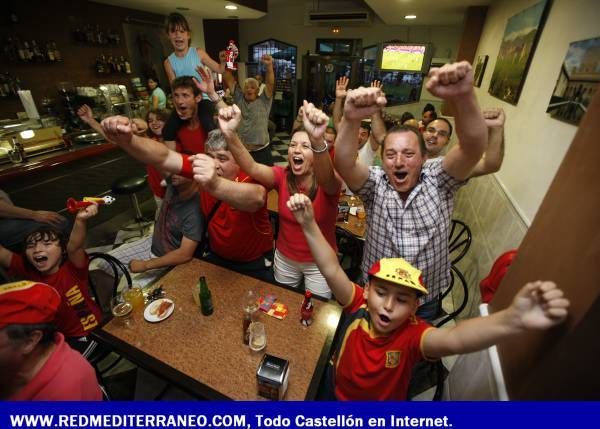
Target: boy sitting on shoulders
{"x":383,"y":338}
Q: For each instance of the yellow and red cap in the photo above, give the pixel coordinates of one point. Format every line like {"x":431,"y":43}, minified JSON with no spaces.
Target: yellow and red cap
{"x":400,"y":272}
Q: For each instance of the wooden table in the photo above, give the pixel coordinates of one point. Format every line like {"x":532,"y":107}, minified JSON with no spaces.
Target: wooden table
{"x":205,"y":356}
{"x":352,"y":227}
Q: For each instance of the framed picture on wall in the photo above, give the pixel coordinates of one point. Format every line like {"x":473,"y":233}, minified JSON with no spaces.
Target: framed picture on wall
{"x":520,"y":38}
{"x":480,"y":69}
{"x":577,"y":81}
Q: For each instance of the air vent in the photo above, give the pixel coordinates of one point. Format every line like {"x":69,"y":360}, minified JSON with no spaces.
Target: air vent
{"x":327,"y":18}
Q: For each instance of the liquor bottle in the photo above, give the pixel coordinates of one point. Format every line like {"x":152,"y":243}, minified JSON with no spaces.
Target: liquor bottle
{"x":206,"y":304}
{"x":127,"y":65}
{"x":250,"y":307}
{"x":20,"y":50}
{"x":50,"y":52}
{"x":57,"y":54}
{"x":307,"y":308}
{"x":27,"y":52}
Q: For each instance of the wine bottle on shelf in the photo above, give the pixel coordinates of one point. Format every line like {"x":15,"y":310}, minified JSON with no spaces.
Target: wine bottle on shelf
{"x":127,"y":66}
{"x":57,"y":54}
{"x":50,"y":52}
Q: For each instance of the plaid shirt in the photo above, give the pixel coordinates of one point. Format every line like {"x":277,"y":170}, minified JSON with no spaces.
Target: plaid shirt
{"x":416,"y":229}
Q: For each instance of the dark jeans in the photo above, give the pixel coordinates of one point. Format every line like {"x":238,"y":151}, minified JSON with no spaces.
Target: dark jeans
{"x":263,"y":156}
{"x":14,"y":231}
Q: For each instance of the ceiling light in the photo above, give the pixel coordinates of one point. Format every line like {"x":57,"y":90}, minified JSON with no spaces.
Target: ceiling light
{"x":231,"y":7}
{"x":410,"y":17}
{"x":335,"y":30}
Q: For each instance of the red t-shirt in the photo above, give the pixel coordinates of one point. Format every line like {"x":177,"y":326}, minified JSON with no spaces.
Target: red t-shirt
{"x":189,"y":141}
{"x":291,"y":241}
{"x":78,"y":314}
{"x":65,"y":376}
{"x":370,"y":367}
{"x":237,"y":235}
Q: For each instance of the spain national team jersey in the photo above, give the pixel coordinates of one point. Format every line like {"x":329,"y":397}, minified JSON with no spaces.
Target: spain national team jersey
{"x":371,"y":367}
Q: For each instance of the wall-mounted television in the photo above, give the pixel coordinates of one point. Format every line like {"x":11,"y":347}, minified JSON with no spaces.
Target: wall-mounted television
{"x":408,"y":57}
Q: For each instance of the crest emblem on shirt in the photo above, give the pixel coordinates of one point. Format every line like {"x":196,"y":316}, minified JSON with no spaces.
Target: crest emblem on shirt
{"x":392,"y":358}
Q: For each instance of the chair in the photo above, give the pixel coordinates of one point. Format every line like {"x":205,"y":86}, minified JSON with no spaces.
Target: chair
{"x":459,"y":240}
{"x":104,"y":287}
{"x":129,"y":185}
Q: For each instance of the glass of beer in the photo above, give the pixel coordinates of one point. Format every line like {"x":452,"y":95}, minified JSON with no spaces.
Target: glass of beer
{"x":135,"y":296}
{"x":361,"y":216}
{"x":122,"y":310}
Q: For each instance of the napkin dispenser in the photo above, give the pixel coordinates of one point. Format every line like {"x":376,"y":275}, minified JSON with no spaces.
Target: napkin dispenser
{"x":272,"y":377}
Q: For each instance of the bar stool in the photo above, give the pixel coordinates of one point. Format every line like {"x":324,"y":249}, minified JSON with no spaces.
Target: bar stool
{"x":129,"y":185}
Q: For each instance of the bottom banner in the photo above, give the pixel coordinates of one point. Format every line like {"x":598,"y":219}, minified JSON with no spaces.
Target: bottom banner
{"x":256,"y":415}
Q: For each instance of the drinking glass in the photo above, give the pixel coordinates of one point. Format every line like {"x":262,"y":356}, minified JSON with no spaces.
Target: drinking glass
{"x":135,"y":296}
{"x":258,"y":338}
{"x":122,"y":310}
{"x":250,"y":310}
{"x":361,"y":216}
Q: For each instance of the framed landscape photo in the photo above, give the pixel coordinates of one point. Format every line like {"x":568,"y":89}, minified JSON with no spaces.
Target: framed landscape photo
{"x":577,"y":81}
{"x":520,"y":38}
{"x":482,"y":61}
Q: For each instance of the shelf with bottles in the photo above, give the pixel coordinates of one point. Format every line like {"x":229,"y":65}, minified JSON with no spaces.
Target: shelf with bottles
{"x":17,"y":50}
{"x":109,"y":64}
{"x":9,"y":85}
{"x":95,"y":35}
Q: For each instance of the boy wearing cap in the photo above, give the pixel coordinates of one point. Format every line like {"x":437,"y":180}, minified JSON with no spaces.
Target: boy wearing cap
{"x":35,"y":361}
{"x":50,"y":259}
{"x":383,"y":339}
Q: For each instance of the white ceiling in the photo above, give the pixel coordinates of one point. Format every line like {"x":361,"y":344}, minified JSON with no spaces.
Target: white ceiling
{"x":210,"y":9}
{"x":429,"y":12}
{"x":391,"y":12}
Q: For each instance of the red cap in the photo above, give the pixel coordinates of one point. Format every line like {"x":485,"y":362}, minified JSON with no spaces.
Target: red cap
{"x":27,"y":303}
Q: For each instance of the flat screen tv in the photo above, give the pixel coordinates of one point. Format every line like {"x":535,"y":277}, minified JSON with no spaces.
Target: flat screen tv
{"x":408,"y":57}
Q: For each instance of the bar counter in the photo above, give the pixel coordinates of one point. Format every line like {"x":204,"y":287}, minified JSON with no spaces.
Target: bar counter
{"x":34,"y":164}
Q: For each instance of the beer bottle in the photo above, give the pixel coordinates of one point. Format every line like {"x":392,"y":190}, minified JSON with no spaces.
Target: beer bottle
{"x":206,"y":304}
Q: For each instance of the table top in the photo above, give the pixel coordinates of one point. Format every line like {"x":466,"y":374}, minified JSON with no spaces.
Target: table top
{"x":351,"y":226}
{"x":205,"y":355}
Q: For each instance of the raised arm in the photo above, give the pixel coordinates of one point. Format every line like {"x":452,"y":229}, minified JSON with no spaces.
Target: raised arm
{"x":76,"y":244}
{"x":454,"y":83}
{"x":378,"y":130}
{"x":267,"y":60}
{"x":208,"y":86}
{"x":323,"y":254}
{"x":494,"y":153}
{"x":360,"y":104}
{"x":208,"y":61}
{"x":538,"y":305}
{"x":229,"y":119}
{"x":248,"y":197}
{"x":340,"y":95}
{"x":315,"y":122}
{"x":86,"y":115}
{"x":119,"y":130}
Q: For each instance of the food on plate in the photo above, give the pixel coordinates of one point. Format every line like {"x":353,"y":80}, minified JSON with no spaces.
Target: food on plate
{"x":161,"y":308}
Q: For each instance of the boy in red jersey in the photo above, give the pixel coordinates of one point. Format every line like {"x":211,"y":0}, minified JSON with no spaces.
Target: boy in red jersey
{"x":383,"y":338}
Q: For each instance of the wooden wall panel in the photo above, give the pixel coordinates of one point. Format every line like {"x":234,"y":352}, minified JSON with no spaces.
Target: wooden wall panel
{"x":563,"y":245}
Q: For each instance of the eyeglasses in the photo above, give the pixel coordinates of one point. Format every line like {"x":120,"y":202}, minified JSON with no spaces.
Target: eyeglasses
{"x":441,"y":133}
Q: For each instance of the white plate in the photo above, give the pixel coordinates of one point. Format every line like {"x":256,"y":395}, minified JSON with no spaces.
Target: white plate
{"x":153,"y":306}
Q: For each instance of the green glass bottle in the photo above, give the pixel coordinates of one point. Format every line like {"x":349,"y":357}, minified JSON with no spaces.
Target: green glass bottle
{"x":206,"y":304}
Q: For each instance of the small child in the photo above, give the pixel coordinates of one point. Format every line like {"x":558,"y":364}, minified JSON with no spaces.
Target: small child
{"x":383,"y":338}
{"x":49,"y":259}
{"x":185,"y":59}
